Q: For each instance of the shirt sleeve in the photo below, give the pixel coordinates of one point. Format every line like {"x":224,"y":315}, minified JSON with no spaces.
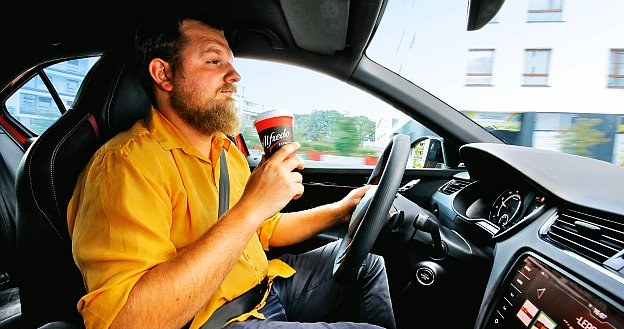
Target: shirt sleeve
{"x":265,"y":231}
{"x":120,"y":231}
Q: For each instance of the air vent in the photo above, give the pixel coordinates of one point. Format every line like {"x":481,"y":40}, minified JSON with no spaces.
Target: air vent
{"x":595,"y":236}
{"x":454,"y":185}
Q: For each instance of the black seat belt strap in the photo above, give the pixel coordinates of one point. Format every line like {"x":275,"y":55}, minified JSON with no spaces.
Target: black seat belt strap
{"x":237,"y":306}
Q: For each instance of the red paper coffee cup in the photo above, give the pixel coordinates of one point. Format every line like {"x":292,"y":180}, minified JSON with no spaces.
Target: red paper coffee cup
{"x":275,"y":129}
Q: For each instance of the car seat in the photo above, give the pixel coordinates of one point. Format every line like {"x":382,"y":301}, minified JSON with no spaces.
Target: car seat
{"x":109,"y":100}
{"x":10,"y":312}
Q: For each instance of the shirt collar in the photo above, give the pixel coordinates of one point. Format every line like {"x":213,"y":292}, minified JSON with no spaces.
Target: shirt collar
{"x":169,"y":137}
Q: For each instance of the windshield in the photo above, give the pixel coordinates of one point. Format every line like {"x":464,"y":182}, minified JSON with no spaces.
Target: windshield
{"x":547,"y":74}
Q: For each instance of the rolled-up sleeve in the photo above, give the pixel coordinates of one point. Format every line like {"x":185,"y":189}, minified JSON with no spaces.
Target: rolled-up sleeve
{"x":265,"y":231}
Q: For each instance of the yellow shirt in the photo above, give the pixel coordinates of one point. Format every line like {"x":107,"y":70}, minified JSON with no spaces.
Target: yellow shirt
{"x":145,"y":195}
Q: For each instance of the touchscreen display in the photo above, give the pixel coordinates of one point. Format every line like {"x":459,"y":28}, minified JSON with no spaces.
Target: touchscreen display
{"x":537,"y":296}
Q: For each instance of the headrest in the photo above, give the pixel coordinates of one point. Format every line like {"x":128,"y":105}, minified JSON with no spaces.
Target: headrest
{"x":113,"y":94}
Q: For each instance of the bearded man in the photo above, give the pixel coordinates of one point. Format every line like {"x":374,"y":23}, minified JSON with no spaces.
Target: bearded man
{"x":146,"y":232}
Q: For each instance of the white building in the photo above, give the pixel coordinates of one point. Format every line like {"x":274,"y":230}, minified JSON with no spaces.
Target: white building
{"x":531,"y":59}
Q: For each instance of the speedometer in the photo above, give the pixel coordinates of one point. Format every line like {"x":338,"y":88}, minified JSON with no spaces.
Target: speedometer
{"x":506,"y":208}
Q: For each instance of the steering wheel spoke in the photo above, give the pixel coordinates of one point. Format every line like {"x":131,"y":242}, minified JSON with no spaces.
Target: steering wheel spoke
{"x":371,"y":214}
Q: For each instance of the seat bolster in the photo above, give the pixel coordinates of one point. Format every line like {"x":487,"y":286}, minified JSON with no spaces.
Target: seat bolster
{"x":50,"y":282}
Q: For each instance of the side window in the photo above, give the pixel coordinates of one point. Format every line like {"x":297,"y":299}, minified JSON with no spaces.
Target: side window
{"x":545,"y":10}
{"x":616,"y":69}
{"x":536,"y":63}
{"x":479,"y":67}
{"x":337,"y":125}
{"x":36,"y":104}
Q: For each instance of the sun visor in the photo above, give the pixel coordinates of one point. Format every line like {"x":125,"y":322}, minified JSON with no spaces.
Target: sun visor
{"x":319,"y":26}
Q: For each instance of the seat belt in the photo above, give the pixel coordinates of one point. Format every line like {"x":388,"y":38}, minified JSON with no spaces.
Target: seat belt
{"x":237,"y":306}
{"x":224,"y":185}
{"x":247,"y":301}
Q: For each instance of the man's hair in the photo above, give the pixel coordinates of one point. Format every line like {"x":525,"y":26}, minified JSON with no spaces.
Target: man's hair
{"x":159,"y":36}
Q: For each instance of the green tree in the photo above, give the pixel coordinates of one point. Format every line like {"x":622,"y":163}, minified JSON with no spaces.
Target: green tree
{"x":317,"y":125}
{"x":330,"y":130}
{"x":365,"y":128}
{"x":581,"y":136}
{"x":345,"y":136}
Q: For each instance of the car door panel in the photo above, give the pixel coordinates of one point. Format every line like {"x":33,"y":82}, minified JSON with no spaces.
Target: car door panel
{"x":328,"y":185}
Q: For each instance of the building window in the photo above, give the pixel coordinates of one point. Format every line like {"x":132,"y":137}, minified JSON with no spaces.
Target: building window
{"x":72,"y":86}
{"x":616,"y":69}
{"x":545,"y":10}
{"x":44,"y":103}
{"x":72,"y":65}
{"x":479,"y":72}
{"x":536,"y":67}
{"x":28,"y":104}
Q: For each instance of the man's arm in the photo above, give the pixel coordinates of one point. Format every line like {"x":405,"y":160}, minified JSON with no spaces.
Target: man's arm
{"x":301,"y":225}
{"x":171,"y":293}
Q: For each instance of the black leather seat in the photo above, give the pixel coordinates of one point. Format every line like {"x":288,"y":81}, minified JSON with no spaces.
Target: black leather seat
{"x":10,"y":311}
{"x":110,"y":100}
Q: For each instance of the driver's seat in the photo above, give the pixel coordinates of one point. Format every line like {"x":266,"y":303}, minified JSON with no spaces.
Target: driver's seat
{"x":110,"y":100}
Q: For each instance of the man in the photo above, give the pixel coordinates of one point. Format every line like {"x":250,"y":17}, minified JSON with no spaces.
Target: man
{"x":143,"y":219}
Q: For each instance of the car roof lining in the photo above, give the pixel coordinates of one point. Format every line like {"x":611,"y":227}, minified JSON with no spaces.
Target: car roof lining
{"x":282,"y":30}
{"x":318,"y":26}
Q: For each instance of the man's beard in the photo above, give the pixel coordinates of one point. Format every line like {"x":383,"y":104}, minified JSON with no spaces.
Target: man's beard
{"x":205,"y":114}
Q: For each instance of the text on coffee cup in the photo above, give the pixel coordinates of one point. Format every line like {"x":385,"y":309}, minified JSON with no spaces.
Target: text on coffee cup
{"x":274,"y":137}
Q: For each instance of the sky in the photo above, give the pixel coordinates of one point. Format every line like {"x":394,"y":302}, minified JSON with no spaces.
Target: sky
{"x":265,"y":84}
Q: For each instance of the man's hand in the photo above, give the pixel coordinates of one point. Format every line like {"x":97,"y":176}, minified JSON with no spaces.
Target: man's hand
{"x":273,"y":183}
{"x":349,"y":202}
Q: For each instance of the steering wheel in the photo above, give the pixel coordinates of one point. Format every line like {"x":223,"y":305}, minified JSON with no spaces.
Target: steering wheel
{"x":372,"y":212}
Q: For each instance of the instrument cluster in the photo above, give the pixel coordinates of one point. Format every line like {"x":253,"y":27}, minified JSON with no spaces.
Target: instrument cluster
{"x":498,"y":208}
{"x":513,"y":205}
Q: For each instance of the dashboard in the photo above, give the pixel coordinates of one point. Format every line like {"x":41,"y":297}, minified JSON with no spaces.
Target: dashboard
{"x":557,"y":231}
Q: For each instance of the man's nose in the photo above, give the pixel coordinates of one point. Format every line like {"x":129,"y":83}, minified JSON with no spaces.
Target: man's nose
{"x":232,"y":75}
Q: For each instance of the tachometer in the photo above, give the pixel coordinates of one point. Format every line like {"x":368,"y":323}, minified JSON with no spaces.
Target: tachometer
{"x":506,"y":208}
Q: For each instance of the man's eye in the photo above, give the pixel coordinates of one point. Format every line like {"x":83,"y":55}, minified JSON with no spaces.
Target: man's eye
{"x":213,"y":62}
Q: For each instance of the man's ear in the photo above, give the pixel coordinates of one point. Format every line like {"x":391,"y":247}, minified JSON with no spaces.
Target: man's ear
{"x":161,"y":73}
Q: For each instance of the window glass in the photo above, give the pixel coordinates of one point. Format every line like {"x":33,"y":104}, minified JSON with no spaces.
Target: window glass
{"x":479,"y":66}
{"x":72,"y":65}
{"x":618,"y":155}
{"x":616,"y":69}
{"x":545,"y":10}
{"x":572,"y":58}
{"x":67,"y":76}
{"x":33,"y":105}
{"x":536,"y":67}
{"x":28,"y":104}
{"x":337,"y":125}
{"x":72,"y":86}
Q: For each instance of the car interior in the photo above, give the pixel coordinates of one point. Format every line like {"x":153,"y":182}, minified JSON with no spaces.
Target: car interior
{"x":464,"y":248}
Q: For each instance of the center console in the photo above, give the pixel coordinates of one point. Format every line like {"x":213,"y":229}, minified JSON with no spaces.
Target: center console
{"x":536,"y":295}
